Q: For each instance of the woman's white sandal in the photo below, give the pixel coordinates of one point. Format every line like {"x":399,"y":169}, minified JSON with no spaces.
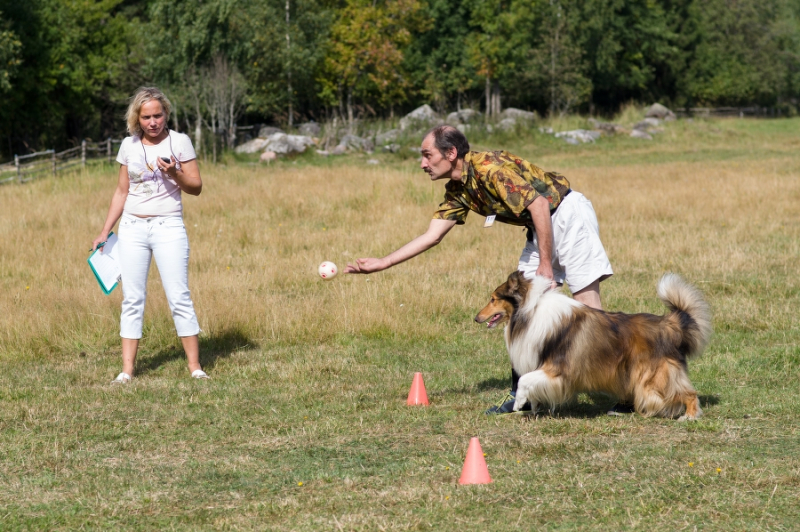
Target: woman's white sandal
{"x":122,"y":378}
{"x":199,"y":374}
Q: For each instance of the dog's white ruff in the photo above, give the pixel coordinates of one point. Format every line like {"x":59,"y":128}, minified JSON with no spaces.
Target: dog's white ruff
{"x":545,"y":310}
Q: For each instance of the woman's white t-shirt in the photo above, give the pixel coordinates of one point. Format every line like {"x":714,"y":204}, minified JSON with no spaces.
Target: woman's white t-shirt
{"x":151,"y":191}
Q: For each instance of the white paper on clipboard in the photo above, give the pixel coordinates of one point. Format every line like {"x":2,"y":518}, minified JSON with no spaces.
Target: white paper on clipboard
{"x":105,"y":264}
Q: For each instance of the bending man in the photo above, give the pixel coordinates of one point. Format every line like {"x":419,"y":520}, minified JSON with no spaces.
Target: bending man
{"x":563,"y":240}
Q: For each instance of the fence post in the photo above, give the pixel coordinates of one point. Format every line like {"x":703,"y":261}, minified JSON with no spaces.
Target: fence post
{"x":19,"y":172}
{"x":54,"y":163}
{"x":83,"y":153}
{"x":108,"y":149}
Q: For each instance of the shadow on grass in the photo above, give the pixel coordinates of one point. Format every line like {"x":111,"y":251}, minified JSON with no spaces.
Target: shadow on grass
{"x":595,"y":404}
{"x":212,"y":348}
{"x":600,"y":404}
{"x":708,"y":400}
{"x":488,"y":384}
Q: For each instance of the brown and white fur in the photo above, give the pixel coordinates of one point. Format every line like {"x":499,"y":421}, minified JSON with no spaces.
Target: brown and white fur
{"x":562,"y":347}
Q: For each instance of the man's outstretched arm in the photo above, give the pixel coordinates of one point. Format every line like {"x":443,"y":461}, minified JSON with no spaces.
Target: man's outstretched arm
{"x":435,"y":233}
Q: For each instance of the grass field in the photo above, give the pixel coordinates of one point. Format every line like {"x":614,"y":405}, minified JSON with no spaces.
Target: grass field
{"x":304,"y":425}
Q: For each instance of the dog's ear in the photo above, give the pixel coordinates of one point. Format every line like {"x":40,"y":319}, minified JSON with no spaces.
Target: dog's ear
{"x":513,"y":282}
{"x":517,"y":285}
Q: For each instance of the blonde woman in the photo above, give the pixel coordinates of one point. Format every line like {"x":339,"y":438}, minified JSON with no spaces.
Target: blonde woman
{"x":156,"y":166}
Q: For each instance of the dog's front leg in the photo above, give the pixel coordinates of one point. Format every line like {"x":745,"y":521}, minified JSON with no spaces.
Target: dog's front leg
{"x":538,"y":387}
{"x":526,"y":391}
{"x":520,"y":399}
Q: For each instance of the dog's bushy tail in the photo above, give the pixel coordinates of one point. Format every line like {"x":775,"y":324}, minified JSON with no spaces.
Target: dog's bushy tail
{"x":679,"y":296}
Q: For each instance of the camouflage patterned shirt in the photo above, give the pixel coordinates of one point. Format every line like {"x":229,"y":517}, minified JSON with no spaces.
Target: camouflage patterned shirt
{"x":499,"y":183}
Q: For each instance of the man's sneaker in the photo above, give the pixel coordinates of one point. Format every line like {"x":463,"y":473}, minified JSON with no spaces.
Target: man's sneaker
{"x":620,"y":409}
{"x":507,"y":406}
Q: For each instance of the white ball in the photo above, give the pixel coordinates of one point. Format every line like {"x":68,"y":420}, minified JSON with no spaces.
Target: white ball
{"x":328,"y":270}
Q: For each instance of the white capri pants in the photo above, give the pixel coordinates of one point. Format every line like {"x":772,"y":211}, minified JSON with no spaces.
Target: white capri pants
{"x":165,"y":238}
{"x":578,"y":254}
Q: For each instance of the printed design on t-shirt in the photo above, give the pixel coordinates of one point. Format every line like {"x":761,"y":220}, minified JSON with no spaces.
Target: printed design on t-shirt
{"x":139,"y":179}
{"x":147,"y":178}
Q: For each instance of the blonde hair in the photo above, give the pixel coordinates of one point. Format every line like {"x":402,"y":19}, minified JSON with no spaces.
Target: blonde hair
{"x":142,"y":96}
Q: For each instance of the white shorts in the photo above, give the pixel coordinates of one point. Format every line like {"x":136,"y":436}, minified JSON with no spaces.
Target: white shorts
{"x":579,"y":258}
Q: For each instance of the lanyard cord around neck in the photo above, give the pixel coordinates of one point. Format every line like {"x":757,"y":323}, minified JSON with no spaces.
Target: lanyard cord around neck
{"x":169,"y":136}
{"x":177,"y":163}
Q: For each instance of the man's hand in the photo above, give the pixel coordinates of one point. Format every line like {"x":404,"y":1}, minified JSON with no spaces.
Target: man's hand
{"x":367,"y":266}
{"x":545,"y":269}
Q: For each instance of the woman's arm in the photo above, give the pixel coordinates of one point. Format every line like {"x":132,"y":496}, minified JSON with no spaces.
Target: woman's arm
{"x":187,"y":178}
{"x":117,"y":205}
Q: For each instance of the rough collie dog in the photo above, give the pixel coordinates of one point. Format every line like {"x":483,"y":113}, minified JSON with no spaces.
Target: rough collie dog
{"x":562,"y":347}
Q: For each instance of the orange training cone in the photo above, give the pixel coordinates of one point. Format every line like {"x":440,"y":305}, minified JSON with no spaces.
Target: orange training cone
{"x":475,"y":470}
{"x":417,"y":394}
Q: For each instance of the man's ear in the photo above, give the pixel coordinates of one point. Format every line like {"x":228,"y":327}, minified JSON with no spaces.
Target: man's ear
{"x":452,"y":154}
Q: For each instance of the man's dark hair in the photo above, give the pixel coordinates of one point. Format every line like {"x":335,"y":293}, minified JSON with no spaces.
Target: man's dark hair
{"x":446,"y":137}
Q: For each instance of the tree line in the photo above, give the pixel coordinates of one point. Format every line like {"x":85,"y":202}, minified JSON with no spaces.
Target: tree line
{"x":67,"y":68}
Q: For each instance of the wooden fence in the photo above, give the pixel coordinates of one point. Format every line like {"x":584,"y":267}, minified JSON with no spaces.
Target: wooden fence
{"x":43,"y":163}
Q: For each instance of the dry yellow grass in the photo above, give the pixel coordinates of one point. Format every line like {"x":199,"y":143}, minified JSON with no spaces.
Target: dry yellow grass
{"x":257,"y":234}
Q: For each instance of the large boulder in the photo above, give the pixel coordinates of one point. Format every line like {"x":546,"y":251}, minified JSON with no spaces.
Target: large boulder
{"x":578,"y":135}
{"x":387,"y":137}
{"x":251,"y":146}
{"x":281,"y":143}
{"x":647,"y":123}
{"x":659,"y":111}
{"x":507,"y":124}
{"x":309,"y":129}
{"x":420,"y":118}
{"x":518,"y":114}
{"x":641,"y":134}
{"x":464,"y":116}
{"x":607,"y":127}
{"x":266,"y":131}
{"x":355,"y":143}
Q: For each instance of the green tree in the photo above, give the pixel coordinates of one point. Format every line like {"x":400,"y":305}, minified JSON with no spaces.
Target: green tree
{"x":748,"y":53}
{"x":498,"y":45}
{"x":365,"y":53}
{"x":9,"y":55}
{"x":557,"y":72}
{"x":439,"y":71}
{"x":624,"y":41}
{"x":270,"y":63}
{"x":252,"y":37}
{"x":77,"y":62}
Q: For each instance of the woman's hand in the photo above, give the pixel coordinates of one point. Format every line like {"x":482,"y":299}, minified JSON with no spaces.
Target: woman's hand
{"x":101,"y":239}
{"x":168,"y":168}
{"x":187,"y":176}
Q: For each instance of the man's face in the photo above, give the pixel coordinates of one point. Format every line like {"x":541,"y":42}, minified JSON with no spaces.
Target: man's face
{"x":433,"y":163}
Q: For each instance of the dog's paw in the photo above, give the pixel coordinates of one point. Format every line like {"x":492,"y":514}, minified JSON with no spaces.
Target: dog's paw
{"x":691,"y":417}
{"x":519,"y":402}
